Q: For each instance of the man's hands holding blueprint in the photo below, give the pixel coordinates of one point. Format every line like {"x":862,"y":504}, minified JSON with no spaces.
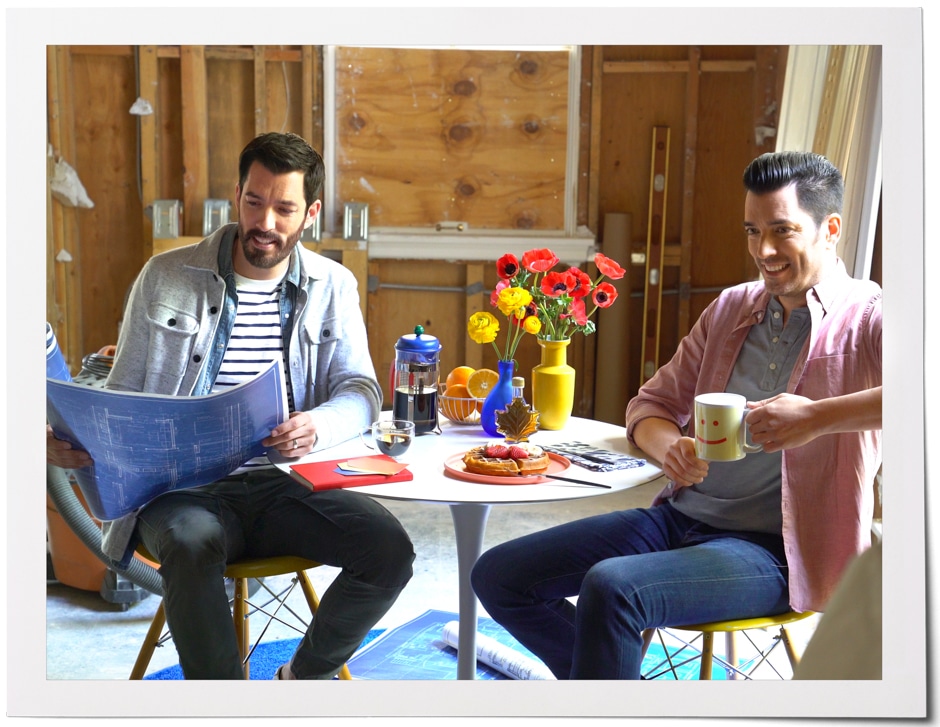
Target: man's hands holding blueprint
{"x":295,"y":437}
{"x":61,"y":454}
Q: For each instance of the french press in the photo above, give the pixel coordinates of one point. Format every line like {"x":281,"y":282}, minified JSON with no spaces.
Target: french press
{"x":417,"y":375}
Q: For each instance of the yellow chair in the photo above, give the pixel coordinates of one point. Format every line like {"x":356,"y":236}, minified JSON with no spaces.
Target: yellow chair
{"x":243,"y":608}
{"x":706,"y":653}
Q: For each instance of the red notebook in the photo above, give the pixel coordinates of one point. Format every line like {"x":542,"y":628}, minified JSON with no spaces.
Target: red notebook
{"x":328,"y":475}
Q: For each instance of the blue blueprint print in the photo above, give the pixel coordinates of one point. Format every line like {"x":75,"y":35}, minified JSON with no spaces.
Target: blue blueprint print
{"x":415,"y":650}
{"x":144,"y":445}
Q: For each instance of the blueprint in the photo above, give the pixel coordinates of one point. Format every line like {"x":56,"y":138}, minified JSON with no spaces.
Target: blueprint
{"x":144,"y":445}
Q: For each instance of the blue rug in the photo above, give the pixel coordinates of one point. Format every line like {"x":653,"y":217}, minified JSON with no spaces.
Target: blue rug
{"x":266,"y":659}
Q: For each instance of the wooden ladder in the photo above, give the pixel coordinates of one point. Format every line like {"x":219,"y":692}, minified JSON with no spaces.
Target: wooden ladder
{"x":655,"y":248}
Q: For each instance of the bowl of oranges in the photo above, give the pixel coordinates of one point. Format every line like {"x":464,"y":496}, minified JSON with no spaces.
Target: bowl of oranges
{"x":461,"y":396}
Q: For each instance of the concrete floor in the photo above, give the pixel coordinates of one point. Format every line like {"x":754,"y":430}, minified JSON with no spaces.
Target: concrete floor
{"x":89,"y":638}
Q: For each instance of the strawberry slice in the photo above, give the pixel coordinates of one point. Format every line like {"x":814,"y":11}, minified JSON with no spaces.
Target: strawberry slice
{"x":497,"y":451}
{"x":518,"y":453}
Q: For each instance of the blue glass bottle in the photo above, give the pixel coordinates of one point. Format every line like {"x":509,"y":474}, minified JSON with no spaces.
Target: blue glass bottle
{"x":498,"y":399}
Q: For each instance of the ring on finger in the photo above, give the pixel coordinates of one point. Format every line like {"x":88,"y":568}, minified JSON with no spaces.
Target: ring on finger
{"x":295,"y":444}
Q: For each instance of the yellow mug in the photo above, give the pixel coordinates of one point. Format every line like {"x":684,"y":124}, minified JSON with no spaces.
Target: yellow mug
{"x":720,"y":431}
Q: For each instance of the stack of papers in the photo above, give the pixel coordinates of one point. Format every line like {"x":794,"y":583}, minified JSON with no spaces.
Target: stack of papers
{"x":338,"y":473}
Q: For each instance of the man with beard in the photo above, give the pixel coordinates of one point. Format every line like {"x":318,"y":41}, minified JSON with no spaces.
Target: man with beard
{"x":726,"y":540}
{"x":209,"y":316}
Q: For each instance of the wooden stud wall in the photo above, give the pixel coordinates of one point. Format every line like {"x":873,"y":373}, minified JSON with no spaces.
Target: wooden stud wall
{"x":722,"y":103}
{"x":210,"y":100}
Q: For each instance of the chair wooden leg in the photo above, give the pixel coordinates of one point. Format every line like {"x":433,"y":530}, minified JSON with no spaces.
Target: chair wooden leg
{"x":240,"y":621}
{"x":708,"y":645}
{"x":788,"y":645}
{"x":150,"y":643}
{"x":731,"y":646}
{"x":647,"y":639}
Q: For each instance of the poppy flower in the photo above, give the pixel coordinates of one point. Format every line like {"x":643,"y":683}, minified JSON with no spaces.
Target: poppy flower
{"x":604,"y":295}
{"x":539,"y":261}
{"x":582,"y":284}
{"x":608,"y":268}
{"x":507,"y":267}
{"x":555,"y":284}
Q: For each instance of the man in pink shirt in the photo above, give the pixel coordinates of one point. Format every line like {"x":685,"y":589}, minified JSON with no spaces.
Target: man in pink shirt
{"x":758,"y":536}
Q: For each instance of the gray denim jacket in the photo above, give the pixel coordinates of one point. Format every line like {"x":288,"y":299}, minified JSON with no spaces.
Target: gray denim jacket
{"x":178,"y":321}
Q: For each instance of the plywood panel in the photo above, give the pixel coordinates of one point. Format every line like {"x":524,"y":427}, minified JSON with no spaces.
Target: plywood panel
{"x":230,"y":88}
{"x":106,"y":161}
{"x":483,"y":135}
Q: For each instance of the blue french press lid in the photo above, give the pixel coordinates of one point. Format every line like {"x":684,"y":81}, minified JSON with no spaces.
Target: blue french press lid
{"x":418,"y":342}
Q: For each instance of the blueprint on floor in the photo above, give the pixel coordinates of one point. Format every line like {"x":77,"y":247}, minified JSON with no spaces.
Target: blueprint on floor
{"x":416,"y":650}
{"x":144,"y":445}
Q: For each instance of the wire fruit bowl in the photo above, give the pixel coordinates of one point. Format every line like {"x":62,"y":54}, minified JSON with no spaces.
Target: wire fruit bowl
{"x":460,"y":409}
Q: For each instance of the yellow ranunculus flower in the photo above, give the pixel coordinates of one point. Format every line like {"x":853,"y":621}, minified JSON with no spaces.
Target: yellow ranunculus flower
{"x":532,"y":325}
{"x":512,"y":299}
{"x":483,"y":327}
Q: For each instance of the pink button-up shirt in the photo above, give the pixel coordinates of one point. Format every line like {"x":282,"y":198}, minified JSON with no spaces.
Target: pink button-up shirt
{"x":827,"y":485}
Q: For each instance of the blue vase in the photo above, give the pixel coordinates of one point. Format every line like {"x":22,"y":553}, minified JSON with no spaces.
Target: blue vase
{"x":498,"y":399}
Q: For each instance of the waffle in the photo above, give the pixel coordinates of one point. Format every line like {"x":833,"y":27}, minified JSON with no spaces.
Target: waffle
{"x":504,"y":460}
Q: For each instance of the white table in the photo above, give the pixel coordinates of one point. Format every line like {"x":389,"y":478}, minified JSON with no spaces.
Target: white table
{"x":470,"y":502}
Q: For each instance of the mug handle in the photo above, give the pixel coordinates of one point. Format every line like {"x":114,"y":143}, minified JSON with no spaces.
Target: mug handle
{"x":361,"y":439}
{"x":749,"y":448}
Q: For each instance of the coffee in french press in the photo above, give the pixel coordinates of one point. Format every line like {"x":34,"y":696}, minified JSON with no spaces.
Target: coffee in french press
{"x":417,"y":375}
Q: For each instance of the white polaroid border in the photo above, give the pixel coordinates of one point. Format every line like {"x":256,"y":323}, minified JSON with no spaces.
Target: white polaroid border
{"x":901,"y":693}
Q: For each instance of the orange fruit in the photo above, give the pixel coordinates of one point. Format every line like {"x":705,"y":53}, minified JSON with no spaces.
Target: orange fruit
{"x":481,"y":382}
{"x":456,"y":403}
{"x":459,"y":375}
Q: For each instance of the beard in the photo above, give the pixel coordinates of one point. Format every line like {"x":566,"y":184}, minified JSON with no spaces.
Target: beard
{"x":260,"y":258}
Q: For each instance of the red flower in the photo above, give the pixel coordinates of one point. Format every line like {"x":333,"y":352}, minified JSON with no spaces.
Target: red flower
{"x":608,"y":267}
{"x":582,"y":284}
{"x":539,"y":261}
{"x":507,"y":267}
{"x":556,"y":284}
{"x":578,"y":312}
{"x":604,"y":295}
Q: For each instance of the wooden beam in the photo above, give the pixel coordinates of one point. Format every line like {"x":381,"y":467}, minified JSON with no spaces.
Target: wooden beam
{"x":594,"y":176}
{"x":308,"y":92}
{"x":677,"y":66}
{"x":147,"y":83}
{"x":66,"y":317}
{"x":688,"y":190}
{"x":261,"y":91}
{"x":473,"y":355}
{"x":195,"y":136}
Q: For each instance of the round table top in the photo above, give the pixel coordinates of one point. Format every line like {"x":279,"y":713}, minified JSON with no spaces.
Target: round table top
{"x":428,"y":452}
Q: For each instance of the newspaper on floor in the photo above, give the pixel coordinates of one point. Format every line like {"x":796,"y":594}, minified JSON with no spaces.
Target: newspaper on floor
{"x":497,"y":656}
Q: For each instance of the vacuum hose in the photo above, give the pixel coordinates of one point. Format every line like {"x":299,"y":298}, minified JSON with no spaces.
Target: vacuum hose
{"x":88,"y":531}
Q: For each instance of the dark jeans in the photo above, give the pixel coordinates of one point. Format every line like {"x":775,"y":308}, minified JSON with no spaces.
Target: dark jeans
{"x":194,"y":533}
{"x":631,"y":570}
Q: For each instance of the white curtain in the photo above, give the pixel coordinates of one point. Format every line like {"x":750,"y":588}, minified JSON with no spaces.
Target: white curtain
{"x":832,"y":105}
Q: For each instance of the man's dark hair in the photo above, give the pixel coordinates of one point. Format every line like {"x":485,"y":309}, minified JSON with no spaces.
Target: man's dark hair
{"x":819,"y":185}
{"x":282,"y":154}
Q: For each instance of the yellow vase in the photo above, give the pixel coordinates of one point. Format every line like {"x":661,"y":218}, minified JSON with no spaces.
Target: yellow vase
{"x":553,"y":385}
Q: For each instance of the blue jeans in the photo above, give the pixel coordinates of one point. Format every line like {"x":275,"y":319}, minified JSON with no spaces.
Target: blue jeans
{"x":195,"y":533}
{"x":631,"y":570}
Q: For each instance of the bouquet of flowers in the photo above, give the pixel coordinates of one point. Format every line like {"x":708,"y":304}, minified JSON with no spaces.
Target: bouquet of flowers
{"x":514,"y":303}
{"x":557,"y":299}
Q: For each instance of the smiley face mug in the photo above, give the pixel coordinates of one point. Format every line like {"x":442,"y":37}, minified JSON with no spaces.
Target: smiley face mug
{"x":720,"y":431}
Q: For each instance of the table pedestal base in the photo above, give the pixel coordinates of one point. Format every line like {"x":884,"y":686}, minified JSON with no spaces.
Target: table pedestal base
{"x":469,"y":526}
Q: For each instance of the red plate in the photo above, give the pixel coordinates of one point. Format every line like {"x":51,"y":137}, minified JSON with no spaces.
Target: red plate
{"x":454,"y":467}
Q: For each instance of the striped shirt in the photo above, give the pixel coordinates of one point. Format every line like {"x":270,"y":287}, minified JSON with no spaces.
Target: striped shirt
{"x":255,"y":341}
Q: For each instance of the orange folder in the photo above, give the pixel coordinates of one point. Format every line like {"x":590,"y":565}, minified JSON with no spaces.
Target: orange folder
{"x":327,"y":475}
